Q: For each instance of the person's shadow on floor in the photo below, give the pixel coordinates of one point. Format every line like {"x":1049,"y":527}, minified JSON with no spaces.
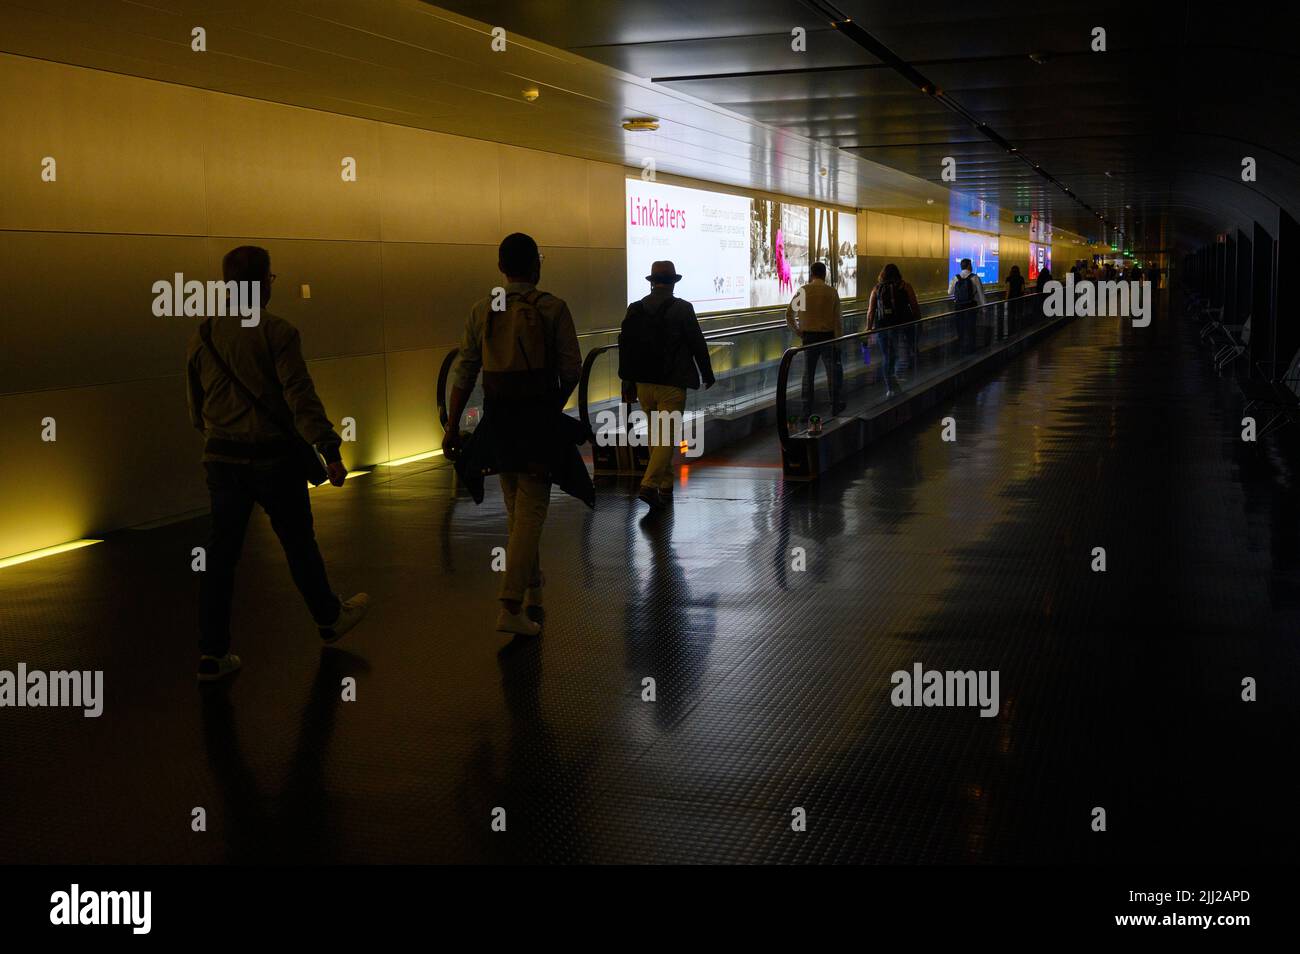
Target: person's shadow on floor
{"x":294,"y":825}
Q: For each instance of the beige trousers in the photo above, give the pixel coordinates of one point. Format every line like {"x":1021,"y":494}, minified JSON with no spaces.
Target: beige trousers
{"x":666,"y":398}
{"x":527,"y":500}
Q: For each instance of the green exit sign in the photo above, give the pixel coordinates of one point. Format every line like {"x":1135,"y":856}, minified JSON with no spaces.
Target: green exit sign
{"x":1022,"y":220}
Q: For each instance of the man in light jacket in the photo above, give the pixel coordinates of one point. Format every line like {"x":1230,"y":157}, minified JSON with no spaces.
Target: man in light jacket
{"x":816,"y":315}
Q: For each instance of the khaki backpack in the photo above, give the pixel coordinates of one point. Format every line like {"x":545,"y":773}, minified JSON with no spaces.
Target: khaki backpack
{"x":516,"y":350}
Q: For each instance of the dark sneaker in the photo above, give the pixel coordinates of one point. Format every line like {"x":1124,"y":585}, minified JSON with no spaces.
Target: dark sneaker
{"x":533,"y":603}
{"x":652,"y":497}
{"x":351,"y":612}
{"x":212,"y":668}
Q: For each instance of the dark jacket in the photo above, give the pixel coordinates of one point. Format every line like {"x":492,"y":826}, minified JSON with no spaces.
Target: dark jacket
{"x":690,"y":352}
{"x":551,"y":446}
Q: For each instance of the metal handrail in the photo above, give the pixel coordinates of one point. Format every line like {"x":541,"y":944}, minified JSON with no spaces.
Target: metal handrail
{"x":783,"y":374}
{"x":444,"y":372}
{"x":590,"y":360}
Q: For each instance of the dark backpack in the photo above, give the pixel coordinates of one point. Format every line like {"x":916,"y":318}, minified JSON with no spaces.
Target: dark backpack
{"x":963,"y":293}
{"x":892,"y":306}
{"x":647,"y":343}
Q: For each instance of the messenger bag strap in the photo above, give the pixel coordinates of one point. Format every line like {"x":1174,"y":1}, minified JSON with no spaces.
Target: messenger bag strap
{"x":205,"y":333}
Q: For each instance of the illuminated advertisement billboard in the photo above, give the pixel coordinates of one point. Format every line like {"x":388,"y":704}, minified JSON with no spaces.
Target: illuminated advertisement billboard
{"x":1040,"y":258}
{"x":980,"y":248}
{"x":734,"y":251}
{"x":704,"y":234}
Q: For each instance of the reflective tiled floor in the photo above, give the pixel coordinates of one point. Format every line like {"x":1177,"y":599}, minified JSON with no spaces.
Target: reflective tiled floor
{"x":1119,"y":689}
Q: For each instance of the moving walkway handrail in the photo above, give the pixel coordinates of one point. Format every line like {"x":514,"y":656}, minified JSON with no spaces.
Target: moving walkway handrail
{"x":783,"y":374}
{"x":449,"y":361}
{"x":722,"y":333}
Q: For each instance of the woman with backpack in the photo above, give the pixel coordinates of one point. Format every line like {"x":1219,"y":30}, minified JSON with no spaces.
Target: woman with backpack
{"x":893,"y":302}
{"x":1015,"y":288}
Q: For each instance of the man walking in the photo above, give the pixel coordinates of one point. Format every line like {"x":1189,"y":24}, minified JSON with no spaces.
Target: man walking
{"x":252,"y":398}
{"x":816,"y":315}
{"x":967,"y":294}
{"x":661,"y":354}
{"x":524,"y":342}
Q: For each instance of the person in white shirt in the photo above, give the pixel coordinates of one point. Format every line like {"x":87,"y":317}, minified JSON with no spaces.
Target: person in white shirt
{"x":967,"y":294}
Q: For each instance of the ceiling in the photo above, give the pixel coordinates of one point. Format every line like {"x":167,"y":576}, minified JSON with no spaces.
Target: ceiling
{"x":1150,"y":132}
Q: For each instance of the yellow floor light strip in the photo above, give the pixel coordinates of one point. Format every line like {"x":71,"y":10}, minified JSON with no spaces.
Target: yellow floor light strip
{"x":412,"y":459}
{"x":47,"y":551}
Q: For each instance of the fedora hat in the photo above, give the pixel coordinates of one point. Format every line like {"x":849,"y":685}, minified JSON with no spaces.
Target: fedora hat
{"x":663,"y":273}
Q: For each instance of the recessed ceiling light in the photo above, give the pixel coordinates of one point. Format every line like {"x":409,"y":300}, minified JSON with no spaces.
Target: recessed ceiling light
{"x":929,"y":201}
{"x":641,"y":124}
{"x":532,"y":94}
{"x":822,"y":171}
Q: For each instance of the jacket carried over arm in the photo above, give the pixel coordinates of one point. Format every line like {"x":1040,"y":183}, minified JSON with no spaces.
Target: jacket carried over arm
{"x":526,"y":435}
{"x":267,"y":359}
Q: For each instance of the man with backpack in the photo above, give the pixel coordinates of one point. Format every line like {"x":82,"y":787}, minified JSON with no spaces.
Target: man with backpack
{"x":524,"y":342}
{"x":661,"y":353}
{"x":816,"y":315}
{"x":967,"y":294}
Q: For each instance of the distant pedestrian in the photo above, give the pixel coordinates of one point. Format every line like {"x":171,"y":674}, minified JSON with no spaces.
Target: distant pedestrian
{"x":661,"y":354}
{"x":817,"y":315}
{"x":967,"y":294}
{"x":893,"y":302}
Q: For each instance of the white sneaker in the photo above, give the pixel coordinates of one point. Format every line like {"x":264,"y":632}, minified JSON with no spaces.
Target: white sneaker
{"x":351,"y":612}
{"x":516,"y":623}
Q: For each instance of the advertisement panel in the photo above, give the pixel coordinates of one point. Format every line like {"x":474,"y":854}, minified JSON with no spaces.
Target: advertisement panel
{"x":705,"y":234}
{"x":1040,"y":257}
{"x":734,"y":251}
{"x":980,"y":248}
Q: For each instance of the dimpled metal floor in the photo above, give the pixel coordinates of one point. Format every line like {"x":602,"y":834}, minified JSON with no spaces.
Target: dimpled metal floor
{"x":1118,"y":690}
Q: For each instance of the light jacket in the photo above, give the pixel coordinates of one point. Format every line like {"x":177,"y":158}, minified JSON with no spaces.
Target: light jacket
{"x":267,"y":358}
{"x":979,"y":288}
{"x":822,"y":310}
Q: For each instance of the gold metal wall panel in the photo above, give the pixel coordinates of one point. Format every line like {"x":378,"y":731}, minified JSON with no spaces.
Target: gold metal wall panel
{"x":546,"y":196}
{"x":277,"y":171}
{"x":78,"y":308}
{"x":128,"y":153}
{"x":429,"y":290}
{"x":607,"y":203}
{"x":125,"y":455}
{"x":436,"y":188}
{"x":355,"y":387}
{"x":412,"y":382}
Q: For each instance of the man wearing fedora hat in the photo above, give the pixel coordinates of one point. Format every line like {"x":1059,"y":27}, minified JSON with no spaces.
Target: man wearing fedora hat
{"x":661,"y":353}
